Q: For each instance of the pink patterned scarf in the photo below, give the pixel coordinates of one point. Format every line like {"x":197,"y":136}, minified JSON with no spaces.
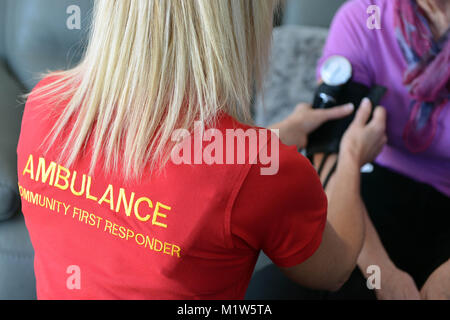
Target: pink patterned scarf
{"x":427,"y":76}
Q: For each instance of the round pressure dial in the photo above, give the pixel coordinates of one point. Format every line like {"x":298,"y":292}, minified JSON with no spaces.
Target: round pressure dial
{"x":336,"y":71}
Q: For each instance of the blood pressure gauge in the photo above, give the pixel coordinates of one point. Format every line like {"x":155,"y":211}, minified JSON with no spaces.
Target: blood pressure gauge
{"x":335,"y":73}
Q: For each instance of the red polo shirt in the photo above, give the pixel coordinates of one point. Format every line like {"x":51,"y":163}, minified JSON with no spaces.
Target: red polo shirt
{"x":193,"y":232}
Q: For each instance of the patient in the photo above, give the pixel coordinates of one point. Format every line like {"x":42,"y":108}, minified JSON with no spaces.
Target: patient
{"x":407,"y":193}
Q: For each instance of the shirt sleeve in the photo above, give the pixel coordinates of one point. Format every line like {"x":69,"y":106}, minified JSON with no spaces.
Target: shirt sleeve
{"x":350,"y":37}
{"x":284,"y":214}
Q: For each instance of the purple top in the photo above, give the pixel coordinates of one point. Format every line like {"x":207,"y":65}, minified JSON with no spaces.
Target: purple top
{"x":376,"y":58}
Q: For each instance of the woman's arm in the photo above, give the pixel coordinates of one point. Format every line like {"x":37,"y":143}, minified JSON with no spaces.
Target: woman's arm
{"x":437,"y":286}
{"x":333,"y":262}
{"x":294,"y":130}
{"x":395,"y":283}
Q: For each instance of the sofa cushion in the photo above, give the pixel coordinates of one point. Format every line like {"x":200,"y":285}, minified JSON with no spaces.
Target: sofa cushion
{"x":292,"y":74}
{"x":10,"y":119}
{"x":38,"y":39}
{"x":17,"y":279}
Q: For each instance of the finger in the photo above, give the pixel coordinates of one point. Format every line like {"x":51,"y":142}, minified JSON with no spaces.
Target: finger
{"x":303,"y":105}
{"x":336,"y":112}
{"x":379,"y":118}
{"x":363,"y":114}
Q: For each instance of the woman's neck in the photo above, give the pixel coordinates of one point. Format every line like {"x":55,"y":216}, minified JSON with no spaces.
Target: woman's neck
{"x":438,"y":14}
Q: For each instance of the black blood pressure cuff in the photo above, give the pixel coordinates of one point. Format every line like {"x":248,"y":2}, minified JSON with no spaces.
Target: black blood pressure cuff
{"x":327,"y":138}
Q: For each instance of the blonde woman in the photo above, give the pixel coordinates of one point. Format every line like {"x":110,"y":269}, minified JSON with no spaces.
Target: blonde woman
{"x":111,"y":215}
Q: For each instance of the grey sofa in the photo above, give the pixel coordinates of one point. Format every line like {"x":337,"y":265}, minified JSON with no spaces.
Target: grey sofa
{"x":318,"y":13}
{"x":34,"y":38}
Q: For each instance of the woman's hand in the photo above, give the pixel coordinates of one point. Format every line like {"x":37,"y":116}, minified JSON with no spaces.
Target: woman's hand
{"x":294,"y":130}
{"x":363,"y":141}
{"x":437,"y":286}
{"x":397,"y":285}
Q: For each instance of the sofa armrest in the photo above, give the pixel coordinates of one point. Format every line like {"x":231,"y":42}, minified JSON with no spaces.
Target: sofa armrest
{"x":11,"y":111}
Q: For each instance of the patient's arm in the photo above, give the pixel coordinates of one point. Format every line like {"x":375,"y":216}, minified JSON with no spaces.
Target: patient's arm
{"x":327,"y":167}
{"x":343,"y":238}
{"x":332,"y":264}
{"x":395,"y":283}
{"x":437,"y":286}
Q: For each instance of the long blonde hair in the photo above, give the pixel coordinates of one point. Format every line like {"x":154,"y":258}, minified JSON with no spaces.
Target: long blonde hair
{"x":152,"y":66}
